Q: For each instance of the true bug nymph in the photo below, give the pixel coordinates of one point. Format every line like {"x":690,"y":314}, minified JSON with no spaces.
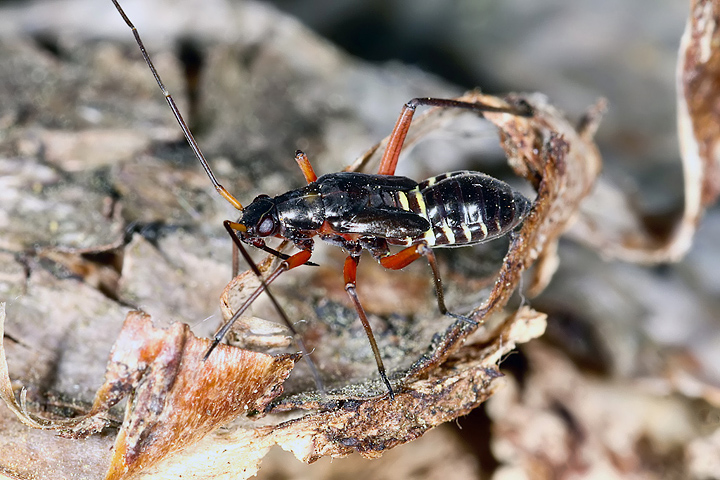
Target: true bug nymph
{"x":358,"y":211}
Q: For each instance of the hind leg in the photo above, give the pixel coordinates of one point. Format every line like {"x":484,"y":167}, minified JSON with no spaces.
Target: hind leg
{"x":389,"y":160}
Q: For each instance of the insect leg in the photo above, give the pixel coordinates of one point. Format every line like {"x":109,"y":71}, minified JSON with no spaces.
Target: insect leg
{"x":397,"y":137}
{"x":235,"y":260}
{"x":401,"y":259}
{"x":350,"y":274}
{"x":261,"y":245}
{"x":291,"y":262}
{"x":430,"y":255}
{"x":304,"y":163}
{"x":406,"y":256}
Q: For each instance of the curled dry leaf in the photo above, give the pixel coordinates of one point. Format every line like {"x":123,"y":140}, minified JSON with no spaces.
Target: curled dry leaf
{"x":698,"y":118}
{"x":562,"y":163}
{"x":175,"y":397}
{"x":610,"y":222}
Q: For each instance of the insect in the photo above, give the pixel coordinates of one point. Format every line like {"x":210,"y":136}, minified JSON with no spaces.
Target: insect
{"x":358,"y":211}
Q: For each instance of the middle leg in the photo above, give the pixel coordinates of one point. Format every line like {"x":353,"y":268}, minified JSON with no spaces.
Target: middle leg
{"x":350,"y":274}
{"x":406,"y":256}
{"x":397,"y":137}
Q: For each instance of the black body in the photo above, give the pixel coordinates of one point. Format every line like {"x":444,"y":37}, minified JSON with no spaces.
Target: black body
{"x":360,"y":210}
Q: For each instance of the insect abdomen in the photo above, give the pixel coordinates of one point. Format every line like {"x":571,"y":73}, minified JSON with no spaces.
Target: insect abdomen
{"x":465,"y":208}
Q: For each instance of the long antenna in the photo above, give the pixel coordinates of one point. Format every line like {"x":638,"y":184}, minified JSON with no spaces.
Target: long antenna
{"x":235,"y":203}
{"x":178,"y":116}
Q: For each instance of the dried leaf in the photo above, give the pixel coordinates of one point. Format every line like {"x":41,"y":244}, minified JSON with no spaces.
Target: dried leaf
{"x":610,"y":222}
{"x":562,"y":163}
{"x":176,"y":398}
{"x":698,"y":118}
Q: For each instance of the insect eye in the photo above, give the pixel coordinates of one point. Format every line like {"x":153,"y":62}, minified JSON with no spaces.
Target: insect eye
{"x":266,"y":226}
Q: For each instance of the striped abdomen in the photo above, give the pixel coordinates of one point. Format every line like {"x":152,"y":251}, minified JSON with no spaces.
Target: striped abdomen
{"x":465,"y":208}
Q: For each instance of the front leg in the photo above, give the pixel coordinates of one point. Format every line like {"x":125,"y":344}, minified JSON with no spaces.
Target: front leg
{"x":303,"y":256}
{"x":233,"y":227}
